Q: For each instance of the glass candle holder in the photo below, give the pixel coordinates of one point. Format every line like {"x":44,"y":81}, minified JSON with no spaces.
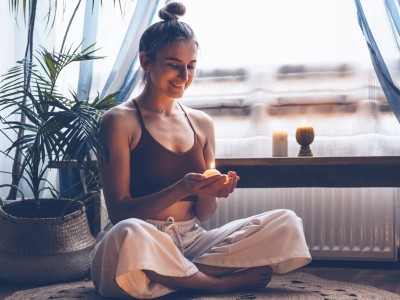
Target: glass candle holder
{"x":305,"y":136}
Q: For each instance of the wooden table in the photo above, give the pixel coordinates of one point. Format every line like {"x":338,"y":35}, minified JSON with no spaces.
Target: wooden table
{"x":274,"y":172}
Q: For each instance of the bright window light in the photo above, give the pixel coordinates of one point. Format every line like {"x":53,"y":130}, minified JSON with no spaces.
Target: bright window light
{"x":234,"y":33}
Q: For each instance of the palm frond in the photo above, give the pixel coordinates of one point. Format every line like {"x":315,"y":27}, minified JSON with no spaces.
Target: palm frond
{"x":56,"y":127}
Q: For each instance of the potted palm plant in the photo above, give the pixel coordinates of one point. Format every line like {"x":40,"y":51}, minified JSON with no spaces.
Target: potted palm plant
{"x":46,"y":240}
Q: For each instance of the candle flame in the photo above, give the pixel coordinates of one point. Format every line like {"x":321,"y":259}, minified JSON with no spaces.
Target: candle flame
{"x":212,"y":165}
{"x":306,"y":124}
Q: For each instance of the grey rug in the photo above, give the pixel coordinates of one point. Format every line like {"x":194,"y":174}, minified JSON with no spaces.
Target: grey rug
{"x":296,"y":286}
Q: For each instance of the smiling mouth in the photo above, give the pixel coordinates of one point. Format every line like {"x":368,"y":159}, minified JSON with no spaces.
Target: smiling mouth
{"x":177,"y":84}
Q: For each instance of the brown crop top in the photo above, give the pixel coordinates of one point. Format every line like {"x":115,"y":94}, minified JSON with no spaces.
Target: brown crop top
{"x":154,"y":167}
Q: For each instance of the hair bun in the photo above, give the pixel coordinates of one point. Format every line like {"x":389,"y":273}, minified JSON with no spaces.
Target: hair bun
{"x":172,"y":11}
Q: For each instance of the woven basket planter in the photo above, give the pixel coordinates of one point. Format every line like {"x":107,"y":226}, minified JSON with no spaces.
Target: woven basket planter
{"x":44,"y":249}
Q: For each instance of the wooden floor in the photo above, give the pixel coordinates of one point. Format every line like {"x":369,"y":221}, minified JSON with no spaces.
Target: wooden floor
{"x":381,"y":275}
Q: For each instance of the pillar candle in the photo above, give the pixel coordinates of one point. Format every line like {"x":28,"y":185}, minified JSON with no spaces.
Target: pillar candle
{"x":279,"y":143}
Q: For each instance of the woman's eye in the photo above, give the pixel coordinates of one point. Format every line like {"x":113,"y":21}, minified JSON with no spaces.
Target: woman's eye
{"x":177,"y":67}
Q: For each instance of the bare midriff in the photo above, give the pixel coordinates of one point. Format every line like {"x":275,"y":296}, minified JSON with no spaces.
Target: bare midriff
{"x":180,"y":211}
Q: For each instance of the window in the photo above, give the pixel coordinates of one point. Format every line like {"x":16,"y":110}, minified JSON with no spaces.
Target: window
{"x":265,"y":65}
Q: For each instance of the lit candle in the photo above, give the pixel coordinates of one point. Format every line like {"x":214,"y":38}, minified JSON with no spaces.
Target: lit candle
{"x":280,"y":143}
{"x":305,"y":136}
{"x":211,"y":171}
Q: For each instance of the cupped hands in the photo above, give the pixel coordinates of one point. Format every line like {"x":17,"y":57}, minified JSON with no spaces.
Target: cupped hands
{"x":219,"y":185}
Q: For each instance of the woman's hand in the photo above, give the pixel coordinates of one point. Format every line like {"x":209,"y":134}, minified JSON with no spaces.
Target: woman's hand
{"x":232,"y":180}
{"x":217,"y":185}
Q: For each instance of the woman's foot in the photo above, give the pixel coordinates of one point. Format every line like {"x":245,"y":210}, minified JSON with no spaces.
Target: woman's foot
{"x":244,"y":280}
{"x":248,"y":279}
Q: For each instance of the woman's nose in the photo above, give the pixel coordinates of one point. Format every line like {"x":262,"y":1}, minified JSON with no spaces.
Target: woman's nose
{"x":184,"y":73}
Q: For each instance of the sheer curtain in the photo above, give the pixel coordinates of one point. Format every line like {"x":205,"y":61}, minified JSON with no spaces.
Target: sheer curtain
{"x":382,"y":37}
{"x":271,"y":65}
{"x":13,"y":51}
{"x":124,"y":75}
{"x":13,"y":30}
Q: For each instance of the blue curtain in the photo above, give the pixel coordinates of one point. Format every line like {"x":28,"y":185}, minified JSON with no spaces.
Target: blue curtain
{"x":381,"y":67}
{"x":125,"y":73}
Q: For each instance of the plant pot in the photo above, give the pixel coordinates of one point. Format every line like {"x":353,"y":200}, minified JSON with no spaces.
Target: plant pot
{"x":50,"y":247}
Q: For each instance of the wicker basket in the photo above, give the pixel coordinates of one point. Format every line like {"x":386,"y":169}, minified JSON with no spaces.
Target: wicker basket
{"x":50,"y":248}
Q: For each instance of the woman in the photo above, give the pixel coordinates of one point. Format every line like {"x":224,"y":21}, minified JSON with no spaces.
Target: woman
{"x":155,"y":190}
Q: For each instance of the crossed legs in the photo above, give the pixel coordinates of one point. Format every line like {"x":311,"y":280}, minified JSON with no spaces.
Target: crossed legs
{"x":218,"y":279}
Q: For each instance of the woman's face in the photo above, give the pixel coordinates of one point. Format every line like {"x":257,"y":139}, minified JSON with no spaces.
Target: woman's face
{"x":173,"y":69}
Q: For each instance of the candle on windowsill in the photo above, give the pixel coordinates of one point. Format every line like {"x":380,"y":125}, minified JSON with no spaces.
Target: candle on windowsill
{"x":280,"y":143}
{"x":305,"y":137}
{"x":211,"y":171}
{"x":305,"y":129}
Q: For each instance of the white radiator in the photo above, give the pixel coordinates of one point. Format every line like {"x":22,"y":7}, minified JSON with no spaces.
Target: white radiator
{"x":353,"y":223}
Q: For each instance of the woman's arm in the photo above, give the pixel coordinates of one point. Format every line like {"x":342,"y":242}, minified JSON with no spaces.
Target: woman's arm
{"x":206,"y":204}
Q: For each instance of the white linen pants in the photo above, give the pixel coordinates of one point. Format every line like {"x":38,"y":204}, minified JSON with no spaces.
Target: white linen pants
{"x":169,"y":248}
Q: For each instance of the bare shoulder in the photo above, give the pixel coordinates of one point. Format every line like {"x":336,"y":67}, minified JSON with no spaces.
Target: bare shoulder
{"x":200,"y":118}
{"x":120,"y":116}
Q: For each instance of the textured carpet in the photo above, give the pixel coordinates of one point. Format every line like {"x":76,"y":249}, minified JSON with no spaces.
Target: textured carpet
{"x":298,"y":286}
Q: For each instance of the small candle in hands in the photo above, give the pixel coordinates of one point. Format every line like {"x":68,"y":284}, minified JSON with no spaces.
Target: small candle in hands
{"x":212,"y":171}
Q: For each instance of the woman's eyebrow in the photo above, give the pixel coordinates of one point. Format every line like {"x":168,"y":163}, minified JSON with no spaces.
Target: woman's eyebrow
{"x":178,"y":60}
